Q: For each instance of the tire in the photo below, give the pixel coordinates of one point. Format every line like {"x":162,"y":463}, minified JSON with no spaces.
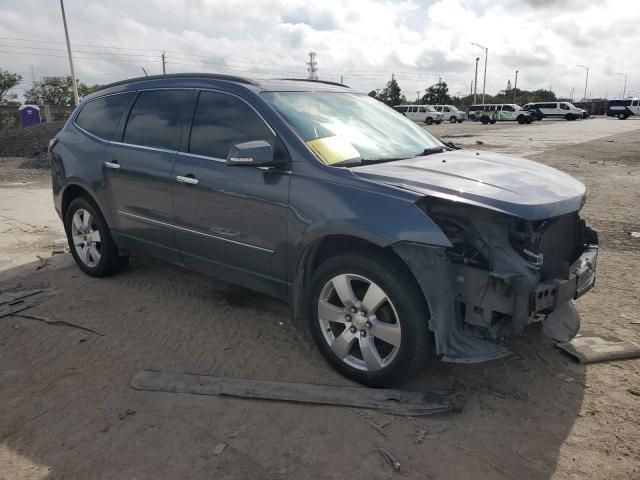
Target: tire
{"x":529,"y":120}
{"x":622,"y":116}
{"x":484,"y":120}
{"x":539,"y":117}
{"x":570,"y":117}
{"x":428,"y":120}
{"x":90,"y":241}
{"x":521,"y":119}
{"x":452,"y":120}
{"x":402,"y":317}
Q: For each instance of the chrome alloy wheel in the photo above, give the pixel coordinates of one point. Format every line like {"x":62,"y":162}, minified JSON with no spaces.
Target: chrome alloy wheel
{"x":359,"y":322}
{"x":86,"y":237}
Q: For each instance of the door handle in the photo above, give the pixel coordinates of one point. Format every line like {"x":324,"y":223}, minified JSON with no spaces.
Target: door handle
{"x":115,"y":165}
{"x":190,"y":179}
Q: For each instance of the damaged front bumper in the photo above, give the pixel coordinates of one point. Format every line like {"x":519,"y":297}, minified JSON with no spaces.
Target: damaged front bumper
{"x":474,"y":307}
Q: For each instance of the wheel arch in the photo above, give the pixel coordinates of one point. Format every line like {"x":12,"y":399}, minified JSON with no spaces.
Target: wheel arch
{"x":76,"y":189}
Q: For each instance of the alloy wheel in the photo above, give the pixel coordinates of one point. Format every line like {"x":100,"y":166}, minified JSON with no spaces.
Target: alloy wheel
{"x":359,"y":322}
{"x":86,"y":237}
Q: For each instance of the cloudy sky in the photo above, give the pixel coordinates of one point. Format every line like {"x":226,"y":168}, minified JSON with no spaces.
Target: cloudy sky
{"x":365,"y":41}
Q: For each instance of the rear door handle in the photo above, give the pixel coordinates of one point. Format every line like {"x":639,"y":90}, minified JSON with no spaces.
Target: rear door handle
{"x":190,"y":179}
{"x":115,"y":165}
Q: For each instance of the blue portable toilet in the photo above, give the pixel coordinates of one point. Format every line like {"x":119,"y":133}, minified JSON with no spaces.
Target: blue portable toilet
{"x":29,"y":115}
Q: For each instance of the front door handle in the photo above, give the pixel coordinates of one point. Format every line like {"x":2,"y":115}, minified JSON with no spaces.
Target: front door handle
{"x":190,"y":179}
{"x":115,"y":165}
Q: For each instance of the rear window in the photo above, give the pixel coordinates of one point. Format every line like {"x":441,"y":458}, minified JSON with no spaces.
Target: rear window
{"x":153,"y":121}
{"x":101,"y":116}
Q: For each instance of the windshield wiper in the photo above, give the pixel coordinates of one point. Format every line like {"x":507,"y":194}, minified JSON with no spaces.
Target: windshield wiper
{"x":368,"y":161}
{"x":431,"y":151}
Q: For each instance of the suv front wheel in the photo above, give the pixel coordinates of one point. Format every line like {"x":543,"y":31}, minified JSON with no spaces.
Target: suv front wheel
{"x":90,"y":241}
{"x":369,"y":318}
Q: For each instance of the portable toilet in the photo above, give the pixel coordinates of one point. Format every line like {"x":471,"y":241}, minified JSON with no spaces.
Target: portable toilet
{"x":29,"y":115}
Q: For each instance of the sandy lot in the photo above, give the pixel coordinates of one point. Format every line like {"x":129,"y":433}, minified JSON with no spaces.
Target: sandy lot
{"x":67,"y":411}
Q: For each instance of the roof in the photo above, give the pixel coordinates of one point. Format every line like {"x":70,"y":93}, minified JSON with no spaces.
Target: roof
{"x":283,"y":84}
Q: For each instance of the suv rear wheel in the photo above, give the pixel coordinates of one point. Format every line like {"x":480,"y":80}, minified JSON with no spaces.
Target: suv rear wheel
{"x":368,"y":317}
{"x":90,"y":241}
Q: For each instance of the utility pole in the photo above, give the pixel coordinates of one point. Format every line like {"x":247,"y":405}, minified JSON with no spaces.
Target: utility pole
{"x":475,"y":83}
{"x":624,"y":90}
{"x":586,"y":81}
{"x":164,"y":68}
{"x":515,"y":88}
{"x":486,"y":59}
{"x":312,"y":67}
{"x":417,"y":96}
{"x":73,"y":73}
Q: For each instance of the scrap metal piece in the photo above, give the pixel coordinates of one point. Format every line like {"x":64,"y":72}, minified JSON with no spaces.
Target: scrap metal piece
{"x":18,"y":299}
{"x":600,"y":349}
{"x":397,"y":402}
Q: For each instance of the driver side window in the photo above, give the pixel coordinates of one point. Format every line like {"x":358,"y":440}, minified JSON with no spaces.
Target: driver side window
{"x":222,"y":121}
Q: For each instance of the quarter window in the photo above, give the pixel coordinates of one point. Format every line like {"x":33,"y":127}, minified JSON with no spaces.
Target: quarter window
{"x":222,"y":121}
{"x":153,"y":121}
{"x":101,"y":116}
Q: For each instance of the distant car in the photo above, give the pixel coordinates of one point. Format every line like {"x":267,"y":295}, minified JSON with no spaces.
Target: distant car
{"x":492,"y":113}
{"x":623,"y":109}
{"x":565,"y":110}
{"x":451,"y":113}
{"x":375,"y":232}
{"x":420,"y":113}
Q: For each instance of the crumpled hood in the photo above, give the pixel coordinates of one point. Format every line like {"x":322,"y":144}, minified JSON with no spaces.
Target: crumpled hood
{"x":512,"y":185}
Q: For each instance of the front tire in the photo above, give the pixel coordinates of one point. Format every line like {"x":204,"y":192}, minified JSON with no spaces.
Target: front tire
{"x":452,"y":120}
{"x":369,"y":318}
{"x":521,"y":120}
{"x":90,"y":241}
{"x":428,"y":120}
{"x":622,"y":116}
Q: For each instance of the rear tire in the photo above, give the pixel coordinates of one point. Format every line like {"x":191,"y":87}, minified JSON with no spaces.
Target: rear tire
{"x":90,"y":241}
{"x":386,"y":344}
{"x":622,"y":116}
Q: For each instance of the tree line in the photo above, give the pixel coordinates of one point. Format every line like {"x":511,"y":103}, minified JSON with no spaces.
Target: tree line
{"x":46,"y":91}
{"x":438,"y":94}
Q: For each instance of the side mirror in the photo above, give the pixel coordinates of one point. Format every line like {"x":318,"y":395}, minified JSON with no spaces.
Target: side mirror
{"x":258,"y":153}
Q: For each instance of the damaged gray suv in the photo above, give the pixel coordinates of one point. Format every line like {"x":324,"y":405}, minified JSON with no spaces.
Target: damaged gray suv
{"x":378,"y":235}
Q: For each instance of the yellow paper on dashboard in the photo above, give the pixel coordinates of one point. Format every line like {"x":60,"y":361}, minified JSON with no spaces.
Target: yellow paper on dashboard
{"x":333,"y":149}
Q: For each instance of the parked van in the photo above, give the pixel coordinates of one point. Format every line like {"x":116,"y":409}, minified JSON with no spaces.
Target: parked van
{"x":565,"y":110}
{"x":420,"y":113}
{"x":623,"y":109}
{"x":491,"y":113}
{"x":451,"y":113}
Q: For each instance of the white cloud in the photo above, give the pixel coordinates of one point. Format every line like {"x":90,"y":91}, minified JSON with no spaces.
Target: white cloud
{"x":364,"y":40}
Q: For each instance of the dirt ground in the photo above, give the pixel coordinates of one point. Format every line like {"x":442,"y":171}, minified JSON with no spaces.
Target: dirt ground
{"x":67,"y":411}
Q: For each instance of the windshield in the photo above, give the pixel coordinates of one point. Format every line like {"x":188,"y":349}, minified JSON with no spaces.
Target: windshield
{"x":352,"y":127}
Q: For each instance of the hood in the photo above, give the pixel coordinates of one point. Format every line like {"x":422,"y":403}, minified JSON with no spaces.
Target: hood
{"x":511,"y":185}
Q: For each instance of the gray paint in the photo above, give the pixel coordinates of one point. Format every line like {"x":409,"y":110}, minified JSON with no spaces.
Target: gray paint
{"x":254,"y":226}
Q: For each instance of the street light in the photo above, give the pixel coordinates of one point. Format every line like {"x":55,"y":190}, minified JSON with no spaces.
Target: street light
{"x":475,"y":83}
{"x":586,"y":81}
{"x":624,"y":91}
{"x":73,"y":74}
{"x":515,"y":87}
{"x":486,"y":58}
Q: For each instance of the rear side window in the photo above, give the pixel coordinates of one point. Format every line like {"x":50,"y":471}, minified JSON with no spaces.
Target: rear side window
{"x":101,"y":116}
{"x":422,"y":110}
{"x":153,"y":121}
{"x":222,"y":121}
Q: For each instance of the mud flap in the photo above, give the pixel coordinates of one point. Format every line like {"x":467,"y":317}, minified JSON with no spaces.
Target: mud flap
{"x":563,"y":323}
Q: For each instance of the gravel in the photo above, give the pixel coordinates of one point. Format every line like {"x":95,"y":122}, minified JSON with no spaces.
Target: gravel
{"x":30,"y":142}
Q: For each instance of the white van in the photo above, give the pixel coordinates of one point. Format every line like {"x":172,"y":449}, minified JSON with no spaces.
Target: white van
{"x":492,"y":113}
{"x":420,"y":113}
{"x":451,"y":113}
{"x":565,"y":110}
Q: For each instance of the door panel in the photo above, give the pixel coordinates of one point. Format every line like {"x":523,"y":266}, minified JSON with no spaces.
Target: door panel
{"x":233,"y":222}
{"x":138,"y":173}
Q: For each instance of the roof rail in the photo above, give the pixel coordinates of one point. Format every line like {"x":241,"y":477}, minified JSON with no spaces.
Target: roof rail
{"x":213,"y":76}
{"x":314,"y":81}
